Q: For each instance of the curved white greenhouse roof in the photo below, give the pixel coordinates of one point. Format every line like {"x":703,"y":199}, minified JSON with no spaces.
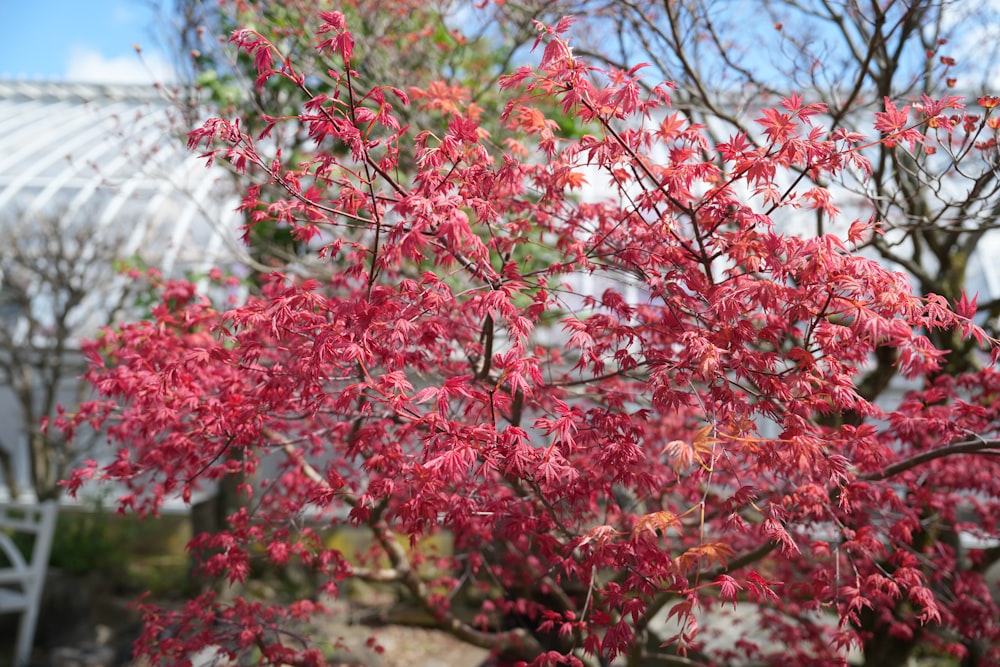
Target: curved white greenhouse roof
{"x":110,"y":158}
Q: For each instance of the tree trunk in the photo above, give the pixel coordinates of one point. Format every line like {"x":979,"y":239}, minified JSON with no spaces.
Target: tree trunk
{"x":9,"y":474}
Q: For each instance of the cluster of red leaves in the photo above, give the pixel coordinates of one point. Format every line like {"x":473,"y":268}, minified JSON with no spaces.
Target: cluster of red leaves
{"x":663,"y":452}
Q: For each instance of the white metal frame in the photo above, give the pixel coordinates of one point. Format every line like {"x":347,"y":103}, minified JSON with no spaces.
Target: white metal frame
{"x":21,"y":582}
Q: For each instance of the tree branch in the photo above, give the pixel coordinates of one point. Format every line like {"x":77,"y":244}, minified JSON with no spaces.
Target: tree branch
{"x":966,"y":447}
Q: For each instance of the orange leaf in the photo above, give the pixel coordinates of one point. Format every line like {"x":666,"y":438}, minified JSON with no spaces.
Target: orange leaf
{"x":657,"y":522}
{"x":702,"y":444}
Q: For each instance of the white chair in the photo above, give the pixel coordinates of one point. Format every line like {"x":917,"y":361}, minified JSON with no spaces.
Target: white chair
{"x":21,"y":581}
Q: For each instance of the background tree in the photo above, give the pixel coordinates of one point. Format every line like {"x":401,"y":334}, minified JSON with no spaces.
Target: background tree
{"x":57,"y":285}
{"x":934,"y":206}
{"x":713,"y":441}
{"x":407,"y":45}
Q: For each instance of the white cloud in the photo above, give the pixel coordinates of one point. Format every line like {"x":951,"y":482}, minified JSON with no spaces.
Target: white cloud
{"x":91,"y":66}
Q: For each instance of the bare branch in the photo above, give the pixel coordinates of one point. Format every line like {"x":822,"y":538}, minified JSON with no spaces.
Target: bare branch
{"x":985,"y":447}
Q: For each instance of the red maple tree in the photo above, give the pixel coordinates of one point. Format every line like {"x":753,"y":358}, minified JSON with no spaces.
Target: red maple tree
{"x":597,"y":459}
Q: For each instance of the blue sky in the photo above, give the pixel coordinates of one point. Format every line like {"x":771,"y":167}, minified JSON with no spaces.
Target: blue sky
{"x":81,"y":40}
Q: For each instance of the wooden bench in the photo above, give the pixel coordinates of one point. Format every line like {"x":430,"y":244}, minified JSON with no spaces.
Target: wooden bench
{"x":21,"y":579}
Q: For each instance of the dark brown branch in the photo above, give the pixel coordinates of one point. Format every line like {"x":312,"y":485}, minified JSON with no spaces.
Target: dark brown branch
{"x":967,"y":447}
{"x":486,"y":338}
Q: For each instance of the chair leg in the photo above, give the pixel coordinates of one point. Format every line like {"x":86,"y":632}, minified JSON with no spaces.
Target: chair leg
{"x":25,"y":636}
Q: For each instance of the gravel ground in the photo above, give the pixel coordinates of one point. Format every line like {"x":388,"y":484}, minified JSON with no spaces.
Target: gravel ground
{"x":389,"y":645}
{"x":404,"y":647}
{"x":363,"y":645}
